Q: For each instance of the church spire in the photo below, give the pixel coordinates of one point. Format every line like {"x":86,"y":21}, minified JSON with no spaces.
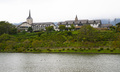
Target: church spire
{"x":29,"y":17}
{"x":76,"y":18}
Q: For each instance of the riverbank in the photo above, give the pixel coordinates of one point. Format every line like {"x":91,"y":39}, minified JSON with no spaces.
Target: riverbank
{"x":67,"y":50}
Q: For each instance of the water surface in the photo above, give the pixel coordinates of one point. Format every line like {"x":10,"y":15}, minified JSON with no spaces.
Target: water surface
{"x":59,"y":62}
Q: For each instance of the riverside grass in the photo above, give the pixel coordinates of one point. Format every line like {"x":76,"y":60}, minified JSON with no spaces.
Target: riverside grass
{"x":68,"y":50}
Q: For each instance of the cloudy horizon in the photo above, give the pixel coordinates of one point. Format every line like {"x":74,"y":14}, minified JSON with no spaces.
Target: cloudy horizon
{"x":15,"y":11}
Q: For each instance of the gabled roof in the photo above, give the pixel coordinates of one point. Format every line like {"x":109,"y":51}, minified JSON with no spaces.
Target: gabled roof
{"x":83,"y":21}
{"x":106,"y":25}
{"x":44,"y":23}
{"x":94,"y":21}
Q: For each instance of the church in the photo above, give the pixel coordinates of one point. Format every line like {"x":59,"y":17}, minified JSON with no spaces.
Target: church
{"x":35,"y":26}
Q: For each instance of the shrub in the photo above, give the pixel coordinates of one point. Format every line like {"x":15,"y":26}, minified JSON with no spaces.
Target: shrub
{"x":108,"y":49}
{"x":59,"y":50}
{"x":101,"y":49}
{"x":72,"y":48}
{"x":111,"y":50}
{"x":68,"y":49}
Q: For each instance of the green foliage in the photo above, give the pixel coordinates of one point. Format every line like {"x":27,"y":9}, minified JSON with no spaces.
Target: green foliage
{"x":118,"y":27}
{"x":30,"y":29}
{"x":88,"y":33}
{"x":6,"y":37}
{"x":112,"y":27}
{"x":72,"y":27}
{"x":62,"y":27}
{"x":7,"y":28}
{"x":49,"y":29}
{"x":39,"y":34}
{"x":82,"y":41}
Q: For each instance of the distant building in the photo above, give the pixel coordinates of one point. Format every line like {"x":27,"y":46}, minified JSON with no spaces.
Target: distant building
{"x":35,"y":26}
{"x":78,"y":23}
{"x":106,"y":26}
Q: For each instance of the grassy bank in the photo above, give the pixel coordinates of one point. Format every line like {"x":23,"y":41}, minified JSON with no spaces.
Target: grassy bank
{"x":85,"y":40}
{"x":66,"y":50}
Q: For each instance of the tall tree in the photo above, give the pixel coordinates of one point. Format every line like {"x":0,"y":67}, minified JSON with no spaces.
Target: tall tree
{"x":7,"y":28}
{"x":30,"y":29}
{"x":118,"y":27}
{"x":49,"y":29}
{"x":88,"y":33}
{"x":62,"y":27}
{"x":72,"y":27}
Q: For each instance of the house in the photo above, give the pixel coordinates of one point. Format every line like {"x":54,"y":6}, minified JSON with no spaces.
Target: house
{"x":78,"y":23}
{"x":106,"y":26}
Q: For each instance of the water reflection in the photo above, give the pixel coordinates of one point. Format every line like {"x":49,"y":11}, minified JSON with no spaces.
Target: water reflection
{"x":59,"y":62}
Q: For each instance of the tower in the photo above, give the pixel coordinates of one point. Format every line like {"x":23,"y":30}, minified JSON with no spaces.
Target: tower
{"x":76,"y":18}
{"x":29,"y":19}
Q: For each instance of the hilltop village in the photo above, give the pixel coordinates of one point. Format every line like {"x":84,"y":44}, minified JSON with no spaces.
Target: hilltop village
{"x":82,"y":36}
{"x":77,"y":24}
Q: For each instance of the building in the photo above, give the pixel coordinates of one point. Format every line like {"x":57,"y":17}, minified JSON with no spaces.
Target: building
{"x":78,"y":23}
{"x":35,"y":26}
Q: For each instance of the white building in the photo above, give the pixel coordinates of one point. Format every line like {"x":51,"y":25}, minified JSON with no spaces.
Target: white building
{"x":35,"y":26}
{"x":78,"y":23}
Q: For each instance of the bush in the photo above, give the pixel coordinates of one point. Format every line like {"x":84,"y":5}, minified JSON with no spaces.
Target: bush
{"x":72,"y":48}
{"x":101,"y":48}
{"x":108,"y":49}
{"x":68,"y":49}
{"x":111,"y":50}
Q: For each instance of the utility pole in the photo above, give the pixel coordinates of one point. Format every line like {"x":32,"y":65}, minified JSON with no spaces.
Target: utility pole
{"x":115,"y":21}
{"x":108,"y":21}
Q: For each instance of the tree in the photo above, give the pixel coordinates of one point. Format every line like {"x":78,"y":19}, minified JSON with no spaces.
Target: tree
{"x":30,"y":29}
{"x":72,"y":27}
{"x":62,"y":27}
{"x":6,"y":37}
{"x":112,"y":27}
{"x":6,"y":27}
{"x":118,"y":27}
{"x":49,"y":29}
{"x":88,"y":33}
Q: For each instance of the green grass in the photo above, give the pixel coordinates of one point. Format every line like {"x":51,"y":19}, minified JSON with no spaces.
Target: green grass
{"x":67,"y":50}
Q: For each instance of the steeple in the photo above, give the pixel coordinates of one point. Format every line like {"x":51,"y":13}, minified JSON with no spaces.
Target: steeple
{"x":29,"y":19}
{"x":76,"y":18}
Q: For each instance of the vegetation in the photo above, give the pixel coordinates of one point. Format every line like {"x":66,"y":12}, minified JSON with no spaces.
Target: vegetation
{"x":49,"y":29}
{"x":30,"y":29}
{"x":85,"y":40}
{"x":62,"y":27}
{"x":7,"y":28}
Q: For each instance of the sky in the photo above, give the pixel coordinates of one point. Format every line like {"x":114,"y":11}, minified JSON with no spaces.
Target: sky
{"x":16,"y":11}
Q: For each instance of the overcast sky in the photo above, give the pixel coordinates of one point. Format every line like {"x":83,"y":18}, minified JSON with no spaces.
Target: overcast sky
{"x":16,"y":11}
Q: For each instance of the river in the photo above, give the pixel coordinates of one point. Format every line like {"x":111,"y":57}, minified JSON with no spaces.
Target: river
{"x":59,"y":62}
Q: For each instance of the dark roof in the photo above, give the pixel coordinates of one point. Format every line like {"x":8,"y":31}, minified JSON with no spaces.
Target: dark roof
{"x":44,"y":23}
{"x":83,"y":21}
{"x":79,"y":22}
{"x":94,"y":21}
{"x":106,"y":25}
